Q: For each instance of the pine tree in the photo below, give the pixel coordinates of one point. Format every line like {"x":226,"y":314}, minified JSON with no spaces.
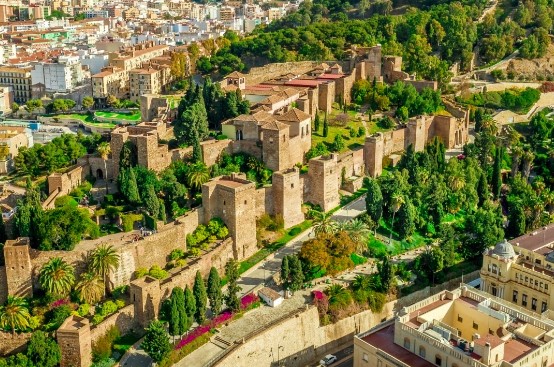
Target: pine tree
{"x":325,"y":126}
{"x":201,"y":297}
{"x":317,"y":122}
{"x":156,"y":343}
{"x":190,"y":302}
{"x":214,"y":291}
{"x":232,"y":274}
{"x":496,"y":173}
{"x":285,"y":272}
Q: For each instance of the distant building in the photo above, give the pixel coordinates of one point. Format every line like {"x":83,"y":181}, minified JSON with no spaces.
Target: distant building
{"x":11,"y":139}
{"x":522,"y":271}
{"x":63,"y":75}
{"x":19,"y":79}
{"x":462,"y":328}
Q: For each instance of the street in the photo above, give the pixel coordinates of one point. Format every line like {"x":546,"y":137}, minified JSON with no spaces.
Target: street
{"x":344,"y":356}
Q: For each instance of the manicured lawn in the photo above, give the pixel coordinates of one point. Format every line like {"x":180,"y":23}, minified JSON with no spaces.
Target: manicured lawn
{"x":128,"y":116}
{"x":77,"y":116}
{"x":375,"y":126}
{"x":339,"y":124}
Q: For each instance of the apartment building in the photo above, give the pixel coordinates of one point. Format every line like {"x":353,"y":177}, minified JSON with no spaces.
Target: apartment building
{"x":460,"y":328}
{"x":11,"y":139}
{"x":114,"y":79}
{"x":20,"y":81}
{"x":96,"y":14}
{"x":145,"y":81}
{"x":522,"y":271}
{"x":6,"y":98}
{"x":63,"y":75}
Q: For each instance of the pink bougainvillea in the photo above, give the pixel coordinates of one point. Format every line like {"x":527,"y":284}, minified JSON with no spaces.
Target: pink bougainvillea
{"x":60,"y":302}
{"x":199,"y":331}
{"x":247,"y":300}
{"x":221,"y":318}
{"x":317,"y":295}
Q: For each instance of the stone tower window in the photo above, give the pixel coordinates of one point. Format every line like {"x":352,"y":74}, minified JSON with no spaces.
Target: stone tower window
{"x":292,"y":186}
{"x":244,"y":202}
{"x":284,"y":138}
{"x":223,"y":202}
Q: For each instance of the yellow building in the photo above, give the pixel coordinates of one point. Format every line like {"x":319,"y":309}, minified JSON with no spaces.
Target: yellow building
{"x":461,"y":328}
{"x":522,"y":271}
{"x":11,"y":139}
{"x":20,"y":81}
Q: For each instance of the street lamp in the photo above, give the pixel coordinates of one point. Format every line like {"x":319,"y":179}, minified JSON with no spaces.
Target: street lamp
{"x":264,"y":267}
{"x":279,"y":347}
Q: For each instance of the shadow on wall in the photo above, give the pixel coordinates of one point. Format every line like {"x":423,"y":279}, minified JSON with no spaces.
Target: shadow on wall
{"x":307,"y":355}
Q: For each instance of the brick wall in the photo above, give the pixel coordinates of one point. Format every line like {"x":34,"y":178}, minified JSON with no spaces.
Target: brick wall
{"x":212,"y":150}
{"x":124,"y":319}
{"x":260,"y":74}
{"x":13,"y":343}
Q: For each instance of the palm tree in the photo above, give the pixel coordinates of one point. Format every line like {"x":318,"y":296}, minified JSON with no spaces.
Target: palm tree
{"x":517,"y":152}
{"x":197,"y":175}
{"x":103,"y":260}
{"x":337,"y":294}
{"x":15,"y":314}
{"x":396,"y":204}
{"x":358,"y":231}
{"x":528,"y":158}
{"x":361,"y":282}
{"x":323,"y":222}
{"x":104,"y":151}
{"x":90,"y":288}
{"x":57,"y":277}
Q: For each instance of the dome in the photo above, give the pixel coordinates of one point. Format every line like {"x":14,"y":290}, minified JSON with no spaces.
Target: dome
{"x":504,"y":250}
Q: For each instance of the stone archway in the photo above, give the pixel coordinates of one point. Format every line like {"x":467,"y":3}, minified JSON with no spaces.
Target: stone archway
{"x":99,"y":173}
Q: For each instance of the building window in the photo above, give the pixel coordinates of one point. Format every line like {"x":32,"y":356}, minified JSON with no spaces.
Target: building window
{"x":460,"y":318}
{"x":526,"y":279}
{"x":475,"y":326}
{"x":514,"y":297}
{"x":534,"y":304}
{"x":422,"y":351}
{"x":546,"y":286}
{"x":494,"y":269}
{"x":438,"y":360}
{"x":406,"y":343}
{"x":493,"y":290}
{"x":544,"y":306}
{"x":491,"y":332}
{"x":365,"y":358}
{"x":524,"y":300}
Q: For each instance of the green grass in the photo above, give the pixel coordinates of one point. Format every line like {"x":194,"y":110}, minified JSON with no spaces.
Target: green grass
{"x":127,"y":116}
{"x":350,"y":143}
{"x":77,"y":116}
{"x":125,"y":342}
{"x":357,"y":259}
{"x":266,"y":251}
{"x":375,"y":126}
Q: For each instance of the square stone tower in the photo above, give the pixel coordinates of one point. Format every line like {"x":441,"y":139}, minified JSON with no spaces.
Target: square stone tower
{"x":373,"y":154}
{"x":146,"y":297}
{"x":18,"y":267}
{"x":417,"y":132}
{"x":233,"y":199}
{"x":275,"y":145}
{"x":287,"y":196}
{"x":75,"y":344}
{"x":324,"y":181}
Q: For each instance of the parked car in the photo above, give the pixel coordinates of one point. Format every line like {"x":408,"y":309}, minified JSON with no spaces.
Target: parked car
{"x":328,"y":360}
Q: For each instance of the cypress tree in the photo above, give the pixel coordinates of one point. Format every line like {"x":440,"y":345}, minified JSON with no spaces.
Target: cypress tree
{"x":174,"y":315}
{"x":201,"y":298}
{"x":296,"y":273}
{"x":132,"y":188}
{"x":483,"y":188}
{"x":151,"y":202}
{"x":405,"y":223}
{"x":196,"y":151}
{"x":373,"y":199}
{"x":190,"y":302}
{"x":517,"y":221}
{"x":156,"y":343}
{"x":214,"y":291}
{"x":162,"y":215}
{"x":496,"y":173}
{"x":232,"y":274}
{"x":325,"y":126}
{"x":184,"y":320}
{"x":317,"y":122}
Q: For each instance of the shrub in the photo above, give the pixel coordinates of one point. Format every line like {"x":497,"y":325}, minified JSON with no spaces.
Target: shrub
{"x":102,"y":348}
{"x":176,"y":254}
{"x":65,"y":201}
{"x":157,"y":272}
{"x":295,"y":231}
{"x":121,"y":291}
{"x":221,"y":137}
{"x":107,"y":308}
{"x":128,"y":221}
{"x":361,"y":131}
{"x":57,"y":316}
{"x":83,"y":309}
{"x":141,"y":272}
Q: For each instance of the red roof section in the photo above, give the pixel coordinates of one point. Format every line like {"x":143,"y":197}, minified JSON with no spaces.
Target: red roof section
{"x":305,"y":82}
{"x":330,"y":76}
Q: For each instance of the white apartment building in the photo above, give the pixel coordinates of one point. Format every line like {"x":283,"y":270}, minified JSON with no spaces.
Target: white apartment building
{"x":7,"y":51}
{"x":96,"y":14}
{"x":93,"y":59}
{"x":62,"y":76}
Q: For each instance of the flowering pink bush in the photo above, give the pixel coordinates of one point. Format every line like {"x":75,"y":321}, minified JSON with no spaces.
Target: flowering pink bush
{"x":317,"y":295}
{"x":248,"y":300}
{"x":60,"y":302}
{"x":199,"y":331}
{"x":221,"y":318}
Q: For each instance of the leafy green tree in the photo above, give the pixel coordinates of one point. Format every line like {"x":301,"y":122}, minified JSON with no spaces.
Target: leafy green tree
{"x":405,"y":225}
{"x":103,"y":260}
{"x":156,"y":342}
{"x":214,"y":291}
{"x":338,"y":143}
{"x":57,"y":277}
{"x":63,"y":227}
{"x":14,"y":107}
{"x":14,"y":314}
{"x":201,"y":297}
{"x":483,"y":229}
{"x":192,"y":125}
{"x":197,"y":175}
{"x":190,"y":302}
{"x":373,"y":199}
{"x":33,"y":104}
{"x":132,"y":188}
{"x":43,"y":351}
{"x":397,"y":201}
{"x":325,"y":126}
{"x":232,"y":273}
{"x":385,"y":274}
{"x":87,"y":102}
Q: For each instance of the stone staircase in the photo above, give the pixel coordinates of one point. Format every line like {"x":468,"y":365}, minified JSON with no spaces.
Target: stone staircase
{"x":220,"y":342}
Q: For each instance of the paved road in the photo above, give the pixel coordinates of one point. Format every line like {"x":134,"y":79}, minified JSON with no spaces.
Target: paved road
{"x":345,"y":357}
{"x":265,"y":270}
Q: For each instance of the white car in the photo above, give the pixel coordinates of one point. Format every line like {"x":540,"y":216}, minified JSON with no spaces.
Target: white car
{"x":328,"y":360}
